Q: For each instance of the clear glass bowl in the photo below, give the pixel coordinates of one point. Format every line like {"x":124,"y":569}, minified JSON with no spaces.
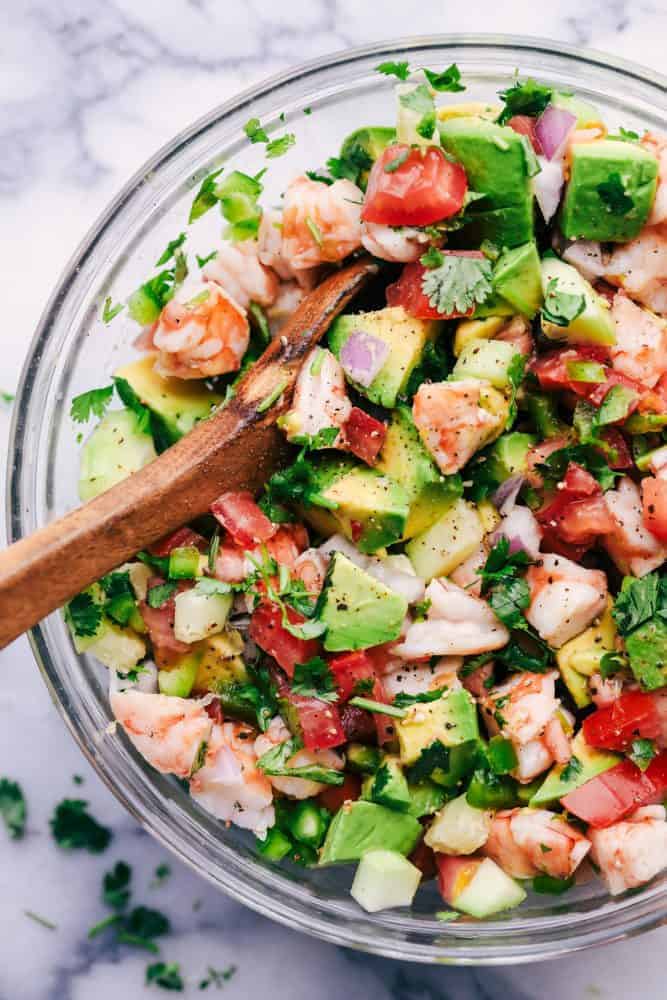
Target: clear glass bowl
{"x":73,"y":351}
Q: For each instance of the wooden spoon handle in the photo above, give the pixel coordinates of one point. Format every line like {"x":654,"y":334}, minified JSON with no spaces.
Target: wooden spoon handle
{"x":235,"y":449}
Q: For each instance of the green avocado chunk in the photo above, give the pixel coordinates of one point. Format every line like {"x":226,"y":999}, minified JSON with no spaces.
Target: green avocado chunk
{"x":610,"y":191}
{"x":366,"y":144}
{"x":647,"y":651}
{"x":388,"y":786}
{"x":114,"y":450}
{"x":450,"y":720}
{"x":593,"y":323}
{"x":489,"y":360}
{"x":565,"y":778}
{"x":357,"y":609}
{"x":517,"y":279}
{"x":508,"y":455}
{"x":425,"y":798}
{"x":362,"y":826}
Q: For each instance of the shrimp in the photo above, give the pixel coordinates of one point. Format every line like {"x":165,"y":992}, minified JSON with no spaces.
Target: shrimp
{"x":237,"y":269}
{"x":320,"y":399}
{"x":525,"y":842}
{"x":451,"y":422}
{"x":466,"y":574}
{"x":640,"y":267}
{"x":270,"y":244}
{"x":399,"y":245}
{"x":311,"y":568}
{"x":296,"y":788}
{"x":201,"y":332}
{"x":657,"y":144}
{"x":522,"y":707}
{"x":634,"y":549}
{"x":630,"y":853}
{"x":321,"y":223}
{"x":229,"y":784}
{"x":564,"y":598}
{"x":640,"y":351}
{"x":458,"y":624}
{"x":418,"y":679}
{"x":517,"y":333}
{"x":168,"y":732}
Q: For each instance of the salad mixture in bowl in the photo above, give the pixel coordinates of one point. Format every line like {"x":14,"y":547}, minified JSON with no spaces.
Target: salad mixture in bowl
{"x":435,"y":645}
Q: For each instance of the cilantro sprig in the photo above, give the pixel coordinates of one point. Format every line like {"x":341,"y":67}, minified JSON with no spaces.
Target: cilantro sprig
{"x":561,"y":308}
{"x":73,"y":828}
{"x":275,"y":763}
{"x":314,"y":679}
{"x":524,"y":98}
{"x":453,"y":284}
{"x":92,"y":403}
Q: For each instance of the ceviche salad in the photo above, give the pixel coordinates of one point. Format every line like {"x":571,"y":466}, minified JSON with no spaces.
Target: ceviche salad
{"x":436,"y":644}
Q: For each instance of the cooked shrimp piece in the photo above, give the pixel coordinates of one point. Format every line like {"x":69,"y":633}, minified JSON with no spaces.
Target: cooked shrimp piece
{"x":321,"y":223}
{"x":419,"y":678}
{"x":658,"y":463}
{"x":168,"y":732}
{"x":200,"y":333}
{"x":557,"y":741}
{"x":289,"y":297}
{"x":630,"y":853}
{"x":466,"y":574}
{"x":229,"y":785}
{"x":238,"y":270}
{"x":457,"y":624}
{"x":525,"y":842}
{"x":452,"y":424}
{"x":533,"y":758}
{"x":320,"y":398}
{"x":640,"y":351}
{"x":296,"y":788}
{"x":517,"y":332}
{"x":522,"y":707}
{"x":634,"y":549}
{"x":657,"y":144}
{"x":640,"y":267}
{"x":270,"y":244}
{"x":399,"y":245}
{"x":564,"y":598}
{"x":311,"y":568}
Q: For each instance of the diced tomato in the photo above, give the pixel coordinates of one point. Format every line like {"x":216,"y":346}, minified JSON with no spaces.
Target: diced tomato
{"x":384,"y":724}
{"x":423,"y":858}
{"x":181,"y":538}
{"x":622,"y":457}
{"x":577,"y":514}
{"x":654,"y":503}
{"x":333,"y":797}
{"x":633,"y":715}
{"x":160,"y":625}
{"x":454,"y":874}
{"x":551,"y":368}
{"x":525,"y":125}
{"x":365,"y":435}
{"x":408,"y":292}
{"x":424,"y":187}
{"x":266,"y":629}
{"x":318,"y":721}
{"x":351,"y":669}
{"x":244,"y":520}
{"x":614,"y":794}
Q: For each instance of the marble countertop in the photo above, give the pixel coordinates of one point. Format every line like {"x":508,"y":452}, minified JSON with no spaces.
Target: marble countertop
{"x":88,"y":90}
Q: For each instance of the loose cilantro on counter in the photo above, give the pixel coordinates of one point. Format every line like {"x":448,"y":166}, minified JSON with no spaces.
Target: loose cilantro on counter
{"x":217,"y":977}
{"x":12,"y":807}
{"x":167,"y":975}
{"x":74,"y":828}
{"x":160,"y":875}
{"x":116,"y":886}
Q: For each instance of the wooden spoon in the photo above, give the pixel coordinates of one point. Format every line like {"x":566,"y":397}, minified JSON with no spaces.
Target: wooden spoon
{"x":235,"y":449}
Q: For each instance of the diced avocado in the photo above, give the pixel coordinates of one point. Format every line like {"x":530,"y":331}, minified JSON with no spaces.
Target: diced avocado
{"x":198,"y":616}
{"x":587,"y":114}
{"x":179,"y":679}
{"x":470,"y":330}
{"x":362,"y":826}
{"x":115,"y":449}
{"x":406,"y":338}
{"x":461,"y":761}
{"x":517,"y":279}
{"x":221,"y":663}
{"x":593,"y":762}
{"x":459,"y":828}
{"x":371,"y":141}
{"x":576,"y":683}
{"x":496,"y":162}
{"x":425,"y":798}
{"x":645,"y":423}
{"x":447,"y":543}
{"x":180,"y":403}
{"x":388,"y":786}
{"x":488,"y":515}
{"x":506,"y":227}
{"x":647,"y":651}
{"x":384,"y":880}
{"x":494,"y":307}
{"x":468,"y":109}
{"x":486,"y":359}
{"x":489,"y":891}
{"x":452,"y":720}
{"x":366,"y":506}
{"x":405,"y":459}
{"x":610,"y":191}
{"x":592,"y":326}
{"x":363,"y":759}
{"x":508,"y":456}
{"x":119,"y":648}
{"x":357,"y":609}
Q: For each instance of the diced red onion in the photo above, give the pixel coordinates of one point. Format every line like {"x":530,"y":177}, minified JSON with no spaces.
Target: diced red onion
{"x":362,"y":356}
{"x":522,"y":531}
{"x":338,"y":543}
{"x":505,"y":496}
{"x":548,"y":185}
{"x":553,"y":130}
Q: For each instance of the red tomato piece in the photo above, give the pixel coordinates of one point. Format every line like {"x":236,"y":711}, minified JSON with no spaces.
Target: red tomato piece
{"x":454,"y":874}
{"x":266,"y":629}
{"x":577,"y":513}
{"x":181,"y":538}
{"x":319,"y":722}
{"x":525,"y":125}
{"x":614,"y":794}
{"x":633,"y":715}
{"x":385,"y":725}
{"x":333,"y":797}
{"x":551,"y":369}
{"x":244,"y":520}
{"x":160,"y":625}
{"x":364,"y":435}
{"x":349,"y":669}
{"x":424,"y":188}
{"x":654,"y":503}
{"x":408,"y":293}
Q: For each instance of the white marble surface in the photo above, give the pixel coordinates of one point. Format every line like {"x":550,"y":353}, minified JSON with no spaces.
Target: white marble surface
{"x":88,"y":90}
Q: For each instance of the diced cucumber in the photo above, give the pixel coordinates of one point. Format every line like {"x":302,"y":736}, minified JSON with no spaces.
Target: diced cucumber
{"x":118,"y":648}
{"x":115,"y":449}
{"x":199,"y":615}
{"x":275,"y":846}
{"x":447,"y":543}
{"x":489,"y":891}
{"x":179,"y":680}
{"x":459,"y":828}
{"x":184,"y":563}
{"x":384,"y":880}
{"x":486,"y":359}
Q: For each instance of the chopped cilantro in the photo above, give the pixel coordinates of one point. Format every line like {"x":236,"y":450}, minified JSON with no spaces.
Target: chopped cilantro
{"x":110,"y":312}
{"x":420,"y":100}
{"x":572,"y":770}
{"x":84,"y":615}
{"x":555,"y":466}
{"x":527,"y":98}
{"x":509,"y":600}
{"x":278,"y":147}
{"x":141,"y":926}
{"x":12,"y":807}
{"x":456,"y":284}
{"x":171,"y":248}
{"x":201,"y":261}
{"x":73,"y":828}
{"x":434,"y":365}
{"x":421,"y":609}
{"x":315,"y":175}
{"x":612,"y":192}
{"x":260,"y":323}
{"x":434,"y":757}
{"x":160,"y":876}
{"x":91,"y":403}
{"x":516,"y":371}
{"x":401,"y":70}
{"x":448,"y":80}
{"x":159,"y":595}
{"x":640,"y":600}
{"x":314,"y":679}
{"x":7,"y":397}
{"x":116,"y":886}
{"x":206,"y":197}
{"x":642,"y":753}
{"x":254,"y":131}
{"x":352,"y":165}
{"x":314,"y":230}
{"x":403,"y":700}
{"x":370,"y":705}
{"x":167,"y":975}
{"x":50,"y":926}
{"x":217,"y":977}
{"x":561,"y":308}
{"x":549,"y":885}
{"x":610,"y":664}
{"x":625,"y":135}
{"x":275,"y":763}
{"x":148,"y":301}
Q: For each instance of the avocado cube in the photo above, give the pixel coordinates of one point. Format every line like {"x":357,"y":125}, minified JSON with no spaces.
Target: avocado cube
{"x":647,"y":650}
{"x":366,"y":143}
{"x":363,"y":759}
{"x":452,"y":720}
{"x":221,"y":664}
{"x":179,"y":403}
{"x":115,"y":449}
{"x":488,"y":360}
{"x":593,"y":762}
{"x":504,"y":227}
{"x":508,"y":456}
{"x":610,"y":191}
{"x":517,"y":278}
{"x":425,"y":798}
{"x":405,"y":459}
{"x":362,"y":826}
{"x":470,"y":330}
{"x":357,"y":609}
{"x":388,"y":786}
{"x":405,"y":337}
{"x":594,"y":325}
{"x":447,"y":543}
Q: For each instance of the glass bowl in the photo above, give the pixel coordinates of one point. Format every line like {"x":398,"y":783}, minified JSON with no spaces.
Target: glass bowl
{"x":73,"y":351}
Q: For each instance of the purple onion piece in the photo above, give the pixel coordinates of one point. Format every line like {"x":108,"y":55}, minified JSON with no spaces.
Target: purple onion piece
{"x":553,"y":130}
{"x":505,"y":496}
{"x":362,"y":356}
{"x":515,"y":544}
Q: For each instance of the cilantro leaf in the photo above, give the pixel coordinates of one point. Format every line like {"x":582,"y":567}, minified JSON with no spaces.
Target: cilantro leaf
{"x":110,"y":312}
{"x":457,"y":284}
{"x":434,"y":757}
{"x":314,"y":679}
{"x":73,"y":827}
{"x":639,"y":600}
{"x":350,"y":166}
{"x":561,"y":308}
{"x":254,"y":131}
{"x":527,"y":98}
{"x":642,"y":753}
{"x":588,"y":456}
{"x":572,"y":769}
{"x":516,"y":371}
{"x":625,"y":135}
{"x":206,"y":197}
{"x":278,"y":147}
{"x":509,"y":600}
{"x":397,"y":69}
{"x":275,"y":763}
{"x":201,"y":261}
{"x":217,"y":977}
{"x":160,"y":875}
{"x":94,"y":402}
{"x":612,"y":192}
{"x":12,"y":808}
{"x":142,"y":925}
{"x":83,"y":615}
{"x":116,"y":886}
{"x":610,"y":664}
{"x":7,"y":397}
{"x":448,"y":80}
{"x":148,"y":301}
{"x":403,"y":700}
{"x":501,"y":565}
{"x":435,"y":364}
{"x":420,"y":100}
{"x":167,"y":975}
{"x":160,"y":594}
{"x":171,"y":248}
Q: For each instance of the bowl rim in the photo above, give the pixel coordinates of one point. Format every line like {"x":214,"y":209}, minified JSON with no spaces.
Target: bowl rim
{"x":635,"y":915}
